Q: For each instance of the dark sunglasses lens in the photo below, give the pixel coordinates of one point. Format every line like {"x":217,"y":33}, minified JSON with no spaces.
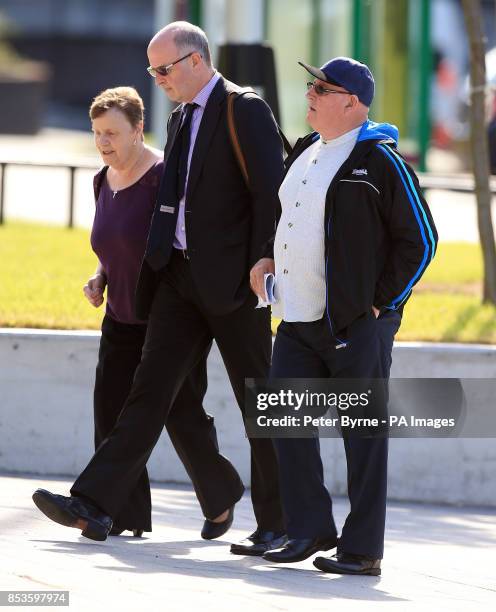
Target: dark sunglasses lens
{"x":319,"y":90}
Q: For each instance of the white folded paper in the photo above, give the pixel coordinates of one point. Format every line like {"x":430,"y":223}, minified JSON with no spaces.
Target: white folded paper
{"x":269,"y":282}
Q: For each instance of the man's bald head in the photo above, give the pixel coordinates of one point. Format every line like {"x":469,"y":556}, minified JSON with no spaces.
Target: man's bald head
{"x":186,"y":37}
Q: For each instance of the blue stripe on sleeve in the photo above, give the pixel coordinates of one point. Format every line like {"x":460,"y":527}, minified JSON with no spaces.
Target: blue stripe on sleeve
{"x":415,"y":204}
{"x":419,"y":203}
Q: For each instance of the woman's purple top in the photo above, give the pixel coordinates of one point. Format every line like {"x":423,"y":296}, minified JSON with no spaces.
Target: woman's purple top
{"x":119,"y":234}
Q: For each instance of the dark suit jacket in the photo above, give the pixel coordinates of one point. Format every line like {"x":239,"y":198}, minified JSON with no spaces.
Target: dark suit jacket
{"x":228,"y":223}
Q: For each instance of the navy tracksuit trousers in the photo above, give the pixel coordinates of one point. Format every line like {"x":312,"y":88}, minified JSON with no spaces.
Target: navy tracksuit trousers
{"x":308,"y":350}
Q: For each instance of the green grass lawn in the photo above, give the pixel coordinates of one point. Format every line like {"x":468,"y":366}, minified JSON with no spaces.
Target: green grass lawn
{"x":43,"y":270}
{"x":42,"y":273}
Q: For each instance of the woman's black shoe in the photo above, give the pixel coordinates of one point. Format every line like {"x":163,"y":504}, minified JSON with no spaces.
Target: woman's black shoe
{"x":213,"y":530}
{"x":116,"y":531}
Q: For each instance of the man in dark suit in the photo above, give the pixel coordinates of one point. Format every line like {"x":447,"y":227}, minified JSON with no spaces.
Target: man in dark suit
{"x":210,"y":228}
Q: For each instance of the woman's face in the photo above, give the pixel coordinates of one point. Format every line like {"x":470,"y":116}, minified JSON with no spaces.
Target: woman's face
{"x":115,"y":138}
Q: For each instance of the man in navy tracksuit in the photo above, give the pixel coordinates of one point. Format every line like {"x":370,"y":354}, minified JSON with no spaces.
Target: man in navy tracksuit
{"x":355,"y":235}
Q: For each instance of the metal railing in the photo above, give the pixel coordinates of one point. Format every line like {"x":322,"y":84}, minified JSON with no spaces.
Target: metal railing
{"x":463,"y":183}
{"x":72,"y":168}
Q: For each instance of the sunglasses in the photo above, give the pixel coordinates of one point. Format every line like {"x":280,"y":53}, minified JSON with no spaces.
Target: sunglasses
{"x":165,"y":69}
{"x":322,"y":91}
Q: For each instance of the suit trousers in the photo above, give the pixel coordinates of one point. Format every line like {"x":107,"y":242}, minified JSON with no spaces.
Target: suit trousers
{"x":308,"y":350}
{"x":195,"y":441}
{"x":178,"y":334}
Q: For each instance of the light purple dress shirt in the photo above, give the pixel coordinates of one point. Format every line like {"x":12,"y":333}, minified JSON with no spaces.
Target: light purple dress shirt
{"x":201,"y":100}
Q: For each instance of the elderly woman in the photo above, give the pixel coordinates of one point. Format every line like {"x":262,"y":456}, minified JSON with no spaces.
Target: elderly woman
{"x":125,"y":193}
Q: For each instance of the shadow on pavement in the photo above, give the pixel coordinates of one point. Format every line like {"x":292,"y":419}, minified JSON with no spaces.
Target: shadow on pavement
{"x":168,"y":557}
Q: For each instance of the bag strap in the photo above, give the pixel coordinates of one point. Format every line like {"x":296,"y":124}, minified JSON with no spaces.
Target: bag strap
{"x":98,"y":181}
{"x":234,"y":134}
{"x":287,"y":146}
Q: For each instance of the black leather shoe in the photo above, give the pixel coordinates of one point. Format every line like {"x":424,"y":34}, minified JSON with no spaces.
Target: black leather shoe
{"x":116,"y":531}
{"x":74,"y":512}
{"x":259,"y":542}
{"x":346,"y":563}
{"x":299,"y":549}
{"x":213,"y":530}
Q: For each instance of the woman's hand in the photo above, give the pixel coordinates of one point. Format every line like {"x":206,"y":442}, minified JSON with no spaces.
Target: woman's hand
{"x":94,"y":288}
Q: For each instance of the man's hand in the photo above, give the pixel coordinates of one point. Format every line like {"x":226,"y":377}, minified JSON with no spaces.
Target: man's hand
{"x":376,"y":311}
{"x":94,"y":288}
{"x":263,"y":266}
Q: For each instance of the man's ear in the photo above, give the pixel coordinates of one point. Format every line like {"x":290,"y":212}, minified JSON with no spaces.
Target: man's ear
{"x":352,"y":105}
{"x":352,"y":102}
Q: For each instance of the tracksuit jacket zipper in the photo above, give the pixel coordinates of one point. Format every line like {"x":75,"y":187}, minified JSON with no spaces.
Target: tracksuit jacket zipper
{"x":353,"y":159}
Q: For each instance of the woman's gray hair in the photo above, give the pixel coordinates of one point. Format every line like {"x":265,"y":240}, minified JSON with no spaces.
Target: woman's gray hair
{"x":188,"y":37}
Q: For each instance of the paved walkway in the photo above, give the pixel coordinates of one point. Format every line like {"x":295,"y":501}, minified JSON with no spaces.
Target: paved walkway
{"x":437,"y":558}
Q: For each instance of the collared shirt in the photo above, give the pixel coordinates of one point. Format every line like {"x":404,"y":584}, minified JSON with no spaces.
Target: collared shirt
{"x":201,"y":100}
{"x":299,"y":250}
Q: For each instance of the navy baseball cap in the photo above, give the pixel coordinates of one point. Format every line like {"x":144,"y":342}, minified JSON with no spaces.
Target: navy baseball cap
{"x":348,"y":73}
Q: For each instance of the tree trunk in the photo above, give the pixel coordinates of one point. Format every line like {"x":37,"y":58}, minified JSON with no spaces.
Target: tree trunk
{"x":479,"y":144}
